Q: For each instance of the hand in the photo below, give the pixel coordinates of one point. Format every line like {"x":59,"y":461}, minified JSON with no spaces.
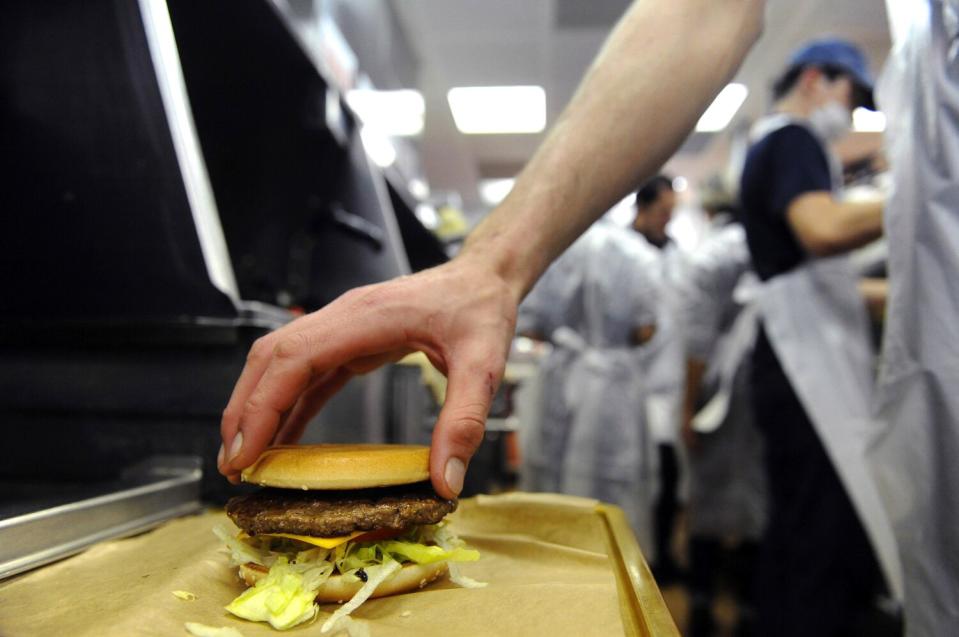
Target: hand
{"x":461,"y":315}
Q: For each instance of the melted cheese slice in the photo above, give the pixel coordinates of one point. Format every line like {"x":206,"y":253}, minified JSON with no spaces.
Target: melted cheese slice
{"x":322,"y":542}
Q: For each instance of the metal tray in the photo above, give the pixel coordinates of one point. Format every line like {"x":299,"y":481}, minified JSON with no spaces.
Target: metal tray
{"x":41,"y":523}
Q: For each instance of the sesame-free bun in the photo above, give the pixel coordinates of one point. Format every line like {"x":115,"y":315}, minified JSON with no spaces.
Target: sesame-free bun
{"x":339,"y":466}
{"x":338,"y":589}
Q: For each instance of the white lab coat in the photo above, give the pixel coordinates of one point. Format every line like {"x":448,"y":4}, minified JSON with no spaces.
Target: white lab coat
{"x":817,"y":325}
{"x":727,"y":481}
{"x":915,"y":455}
{"x":591,"y":438}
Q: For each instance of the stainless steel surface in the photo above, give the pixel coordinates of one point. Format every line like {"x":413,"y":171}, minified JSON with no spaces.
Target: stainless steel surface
{"x":37,"y":533}
{"x":166,"y":61}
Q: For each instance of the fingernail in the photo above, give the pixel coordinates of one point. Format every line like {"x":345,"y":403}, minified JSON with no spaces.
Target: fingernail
{"x":219,"y":456}
{"x":455,"y":471}
{"x":237,"y":446}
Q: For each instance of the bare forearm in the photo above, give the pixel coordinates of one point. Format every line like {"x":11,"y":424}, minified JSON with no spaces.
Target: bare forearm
{"x":858,"y":223}
{"x":875,"y":292}
{"x":825,"y":226}
{"x":695,"y":369}
{"x":657,"y":73}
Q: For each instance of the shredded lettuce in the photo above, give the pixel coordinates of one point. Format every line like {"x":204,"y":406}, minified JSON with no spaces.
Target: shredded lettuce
{"x":351,"y":627}
{"x":184,"y":595}
{"x":366,"y":555}
{"x":285,"y":597}
{"x":450,"y":542}
{"x":202,"y":630}
{"x":461,"y":580}
{"x":242,"y":551}
{"x":280,"y":598}
{"x":375,"y":576}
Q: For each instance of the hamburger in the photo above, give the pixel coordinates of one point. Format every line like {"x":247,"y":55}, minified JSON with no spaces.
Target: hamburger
{"x":338,"y":523}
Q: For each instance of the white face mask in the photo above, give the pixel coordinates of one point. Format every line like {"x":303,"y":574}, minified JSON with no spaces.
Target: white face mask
{"x":831,"y":121}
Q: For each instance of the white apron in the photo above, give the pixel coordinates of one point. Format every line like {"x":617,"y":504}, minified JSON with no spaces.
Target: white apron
{"x":609,"y":454}
{"x":591,"y":437}
{"x":915,"y":457}
{"x":817,"y":324}
{"x":727,"y":485}
{"x":728,"y":495}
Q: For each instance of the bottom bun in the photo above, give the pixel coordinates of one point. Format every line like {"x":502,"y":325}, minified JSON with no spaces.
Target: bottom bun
{"x":340,"y":589}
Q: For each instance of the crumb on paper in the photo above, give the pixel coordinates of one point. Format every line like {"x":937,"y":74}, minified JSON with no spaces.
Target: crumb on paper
{"x":406,"y":613}
{"x":202,"y":630}
{"x":187,"y":595}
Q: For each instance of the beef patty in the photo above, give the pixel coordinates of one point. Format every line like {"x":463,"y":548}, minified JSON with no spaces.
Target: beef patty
{"x":337,"y":513}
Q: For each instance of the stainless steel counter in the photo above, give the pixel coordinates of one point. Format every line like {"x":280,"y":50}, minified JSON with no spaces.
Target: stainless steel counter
{"x":43,"y":522}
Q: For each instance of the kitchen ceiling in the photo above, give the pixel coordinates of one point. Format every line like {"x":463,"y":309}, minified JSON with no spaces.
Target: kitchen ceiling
{"x":551,"y":43}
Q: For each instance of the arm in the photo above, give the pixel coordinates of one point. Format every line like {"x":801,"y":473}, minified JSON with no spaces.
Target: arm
{"x":705,"y":295}
{"x":657,"y":73}
{"x":826,"y":227}
{"x":875,"y":292}
{"x":695,"y":369}
{"x":643,"y":334}
{"x":650,"y":83}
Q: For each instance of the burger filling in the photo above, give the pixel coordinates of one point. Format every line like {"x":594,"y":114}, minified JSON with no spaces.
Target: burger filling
{"x":338,"y":513}
{"x":301,"y":539}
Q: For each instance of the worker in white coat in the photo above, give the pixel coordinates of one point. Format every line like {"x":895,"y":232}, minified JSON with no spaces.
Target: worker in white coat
{"x":914,"y":454}
{"x":726,"y":511}
{"x":597,"y":306}
{"x":663,"y":362}
{"x":828,"y":541}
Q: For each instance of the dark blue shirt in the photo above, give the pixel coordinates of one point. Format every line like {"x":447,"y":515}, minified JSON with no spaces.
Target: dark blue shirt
{"x":779,"y":168}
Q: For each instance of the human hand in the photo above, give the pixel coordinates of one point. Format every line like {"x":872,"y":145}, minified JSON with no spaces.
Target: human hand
{"x":461,"y":315}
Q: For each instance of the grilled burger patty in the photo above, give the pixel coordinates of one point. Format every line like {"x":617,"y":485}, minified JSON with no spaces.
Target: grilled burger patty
{"x":337,"y":513}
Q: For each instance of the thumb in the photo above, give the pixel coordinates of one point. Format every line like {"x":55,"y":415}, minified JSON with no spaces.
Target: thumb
{"x":459,"y":431}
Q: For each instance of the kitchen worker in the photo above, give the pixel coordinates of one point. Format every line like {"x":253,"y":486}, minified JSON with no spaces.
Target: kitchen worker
{"x":812,"y":362}
{"x":663,"y":362}
{"x":914,"y":455}
{"x":660,"y":68}
{"x":726,"y":512}
{"x":597,"y":306}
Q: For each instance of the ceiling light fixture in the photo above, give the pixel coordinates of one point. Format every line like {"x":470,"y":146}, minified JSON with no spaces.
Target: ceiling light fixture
{"x":491,"y":110}
{"x":723,"y":108}
{"x":378,"y":147}
{"x":866,"y":121}
{"x":418,"y":188}
{"x":394,"y":113}
{"x":493,"y":191}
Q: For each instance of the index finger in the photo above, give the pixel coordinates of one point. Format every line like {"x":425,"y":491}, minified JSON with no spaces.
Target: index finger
{"x":350,"y":328}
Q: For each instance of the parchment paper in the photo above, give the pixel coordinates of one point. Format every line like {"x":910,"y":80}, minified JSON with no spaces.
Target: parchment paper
{"x":543,"y":556}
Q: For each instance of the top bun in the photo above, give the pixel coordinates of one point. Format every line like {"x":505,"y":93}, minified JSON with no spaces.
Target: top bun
{"x":339,"y":466}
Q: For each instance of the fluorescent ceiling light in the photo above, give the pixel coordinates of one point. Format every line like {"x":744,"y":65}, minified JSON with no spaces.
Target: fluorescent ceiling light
{"x":723,"y":108}
{"x":493,"y":191}
{"x":427,"y":215}
{"x":419,"y":188}
{"x":378,"y":147}
{"x":866,"y":121}
{"x":393,"y":113}
{"x":479,"y":110}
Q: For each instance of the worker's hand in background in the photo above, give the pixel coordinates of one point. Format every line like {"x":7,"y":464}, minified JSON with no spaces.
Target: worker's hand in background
{"x":461,"y":315}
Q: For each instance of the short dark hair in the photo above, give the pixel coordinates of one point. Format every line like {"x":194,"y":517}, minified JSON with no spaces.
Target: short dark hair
{"x":652,"y":189}
{"x":787,"y":81}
